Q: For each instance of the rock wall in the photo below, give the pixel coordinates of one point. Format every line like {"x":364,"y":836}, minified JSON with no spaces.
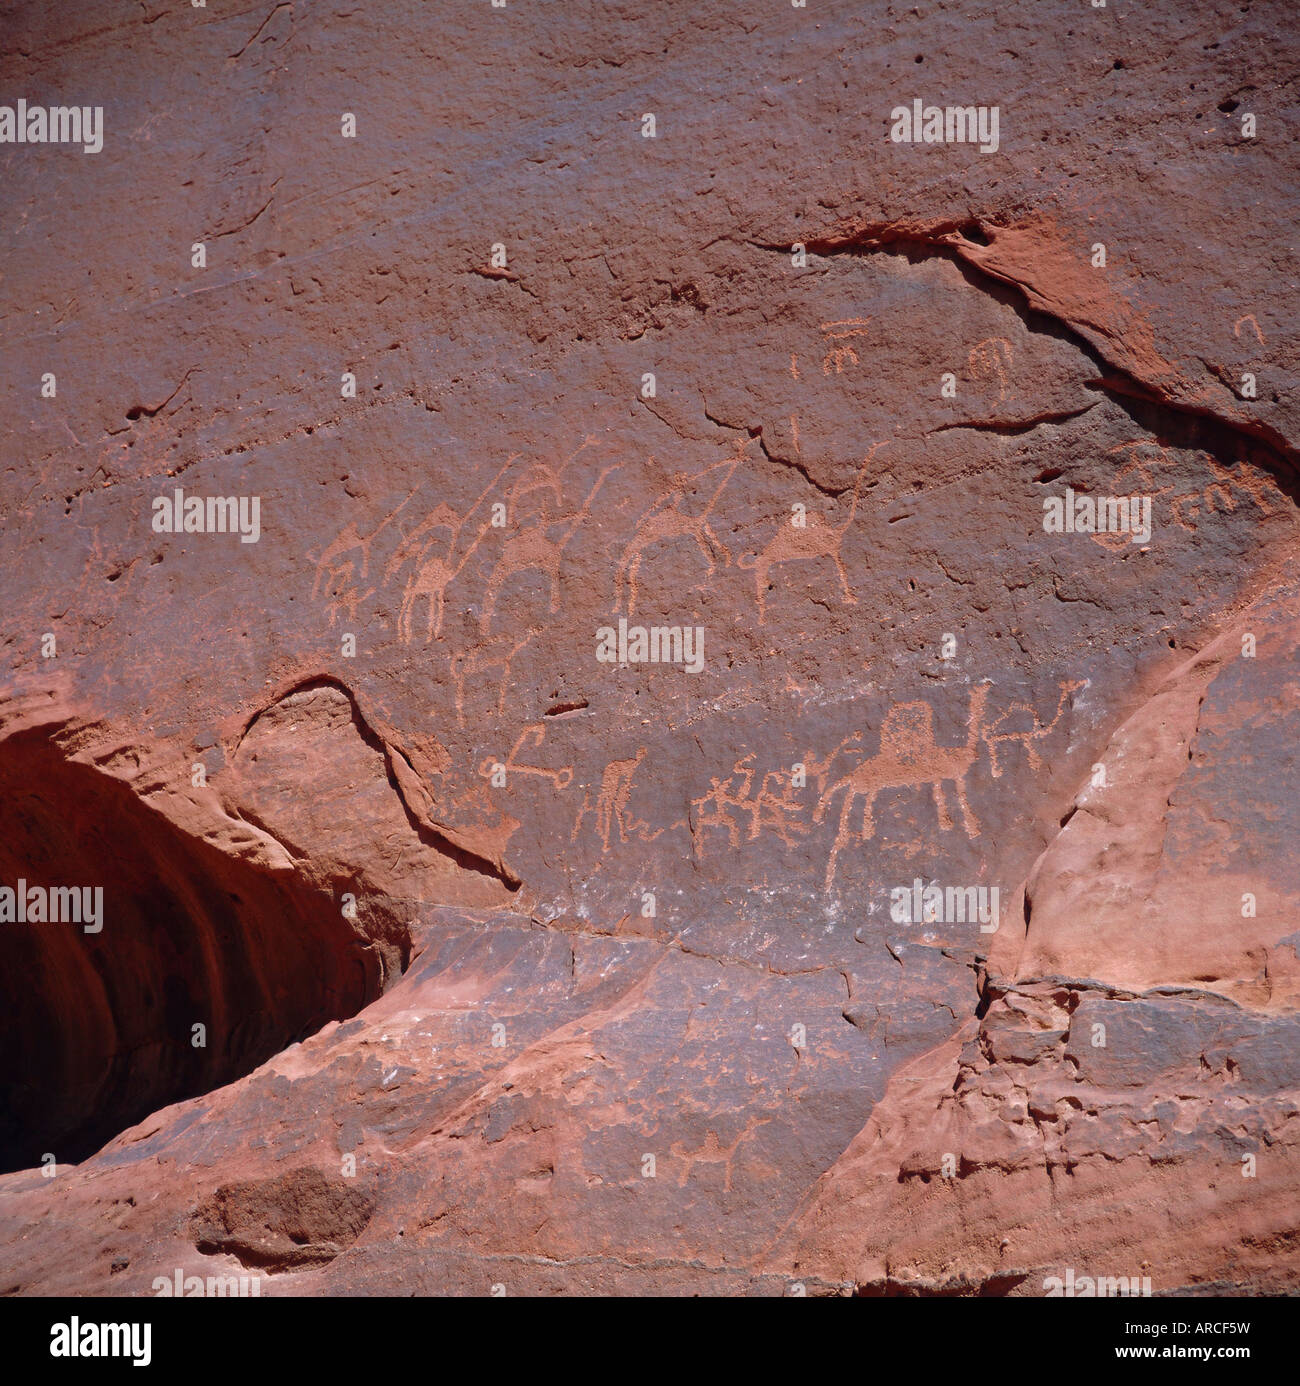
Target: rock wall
{"x":519,"y":958}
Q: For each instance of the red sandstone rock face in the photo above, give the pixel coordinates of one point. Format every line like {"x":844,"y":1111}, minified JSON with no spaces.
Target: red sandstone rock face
{"x":516,"y":967}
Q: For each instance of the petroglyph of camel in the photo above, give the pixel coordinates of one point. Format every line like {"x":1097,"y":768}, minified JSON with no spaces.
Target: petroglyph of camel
{"x":713,"y":1152}
{"x":908,"y":756}
{"x":995,"y":733}
{"x":611,"y":800}
{"x":815,"y":538}
{"x":435,"y":571}
{"x":537,"y":548}
{"x":538,"y":477}
{"x":336,"y":570}
{"x":667,"y":519}
{"x":499,"y":654}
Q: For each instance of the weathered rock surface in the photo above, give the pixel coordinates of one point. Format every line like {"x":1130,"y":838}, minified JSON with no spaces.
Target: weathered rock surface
{"x":519,"y":968}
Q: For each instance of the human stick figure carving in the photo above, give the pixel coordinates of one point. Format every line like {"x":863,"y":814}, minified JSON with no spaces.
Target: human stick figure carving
{"x":770,"y":804}
{"x":819,"y":767}
{"x":815,"y":538}
{"x":908,"y":756}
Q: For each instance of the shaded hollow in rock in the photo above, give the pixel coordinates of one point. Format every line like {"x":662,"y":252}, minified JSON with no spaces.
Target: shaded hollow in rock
{"x":99,"y":1028}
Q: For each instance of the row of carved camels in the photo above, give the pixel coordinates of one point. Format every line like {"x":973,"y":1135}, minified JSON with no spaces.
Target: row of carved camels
{"x":433,"y":555}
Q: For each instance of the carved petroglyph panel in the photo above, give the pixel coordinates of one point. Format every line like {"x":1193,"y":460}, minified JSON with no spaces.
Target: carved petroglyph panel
{"x":749,"y":804}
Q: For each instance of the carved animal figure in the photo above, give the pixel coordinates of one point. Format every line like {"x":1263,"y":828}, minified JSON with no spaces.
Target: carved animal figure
{"x":539,"y":477}
{"x":611,"y":799}
{"x":908,"y":756}
{"x":713,"y":1152}
{"x":336,"y":571}
{"x":498,"y":653}
{"x":995,"y":734}
{"x":537,"y":548}
{"x":434,"y":571}
{"x":668,"y":519}
{"x":815,"y":538}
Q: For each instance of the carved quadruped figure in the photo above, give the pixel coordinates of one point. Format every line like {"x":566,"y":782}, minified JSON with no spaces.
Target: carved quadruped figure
{"x":336,"y":572}
{"x":497,"y":653}
{"x":436,"y":564}
{"x":995,"y":735}
{"x":536,"y":547}
{"x":908,"y":756}
{"x":815,"y":538}
{"x":713,"y":1152}
{"x":538,"y":477}
{"x":668,"y":519}
{"x":433,"y":573}
{"x":611,"y":800}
